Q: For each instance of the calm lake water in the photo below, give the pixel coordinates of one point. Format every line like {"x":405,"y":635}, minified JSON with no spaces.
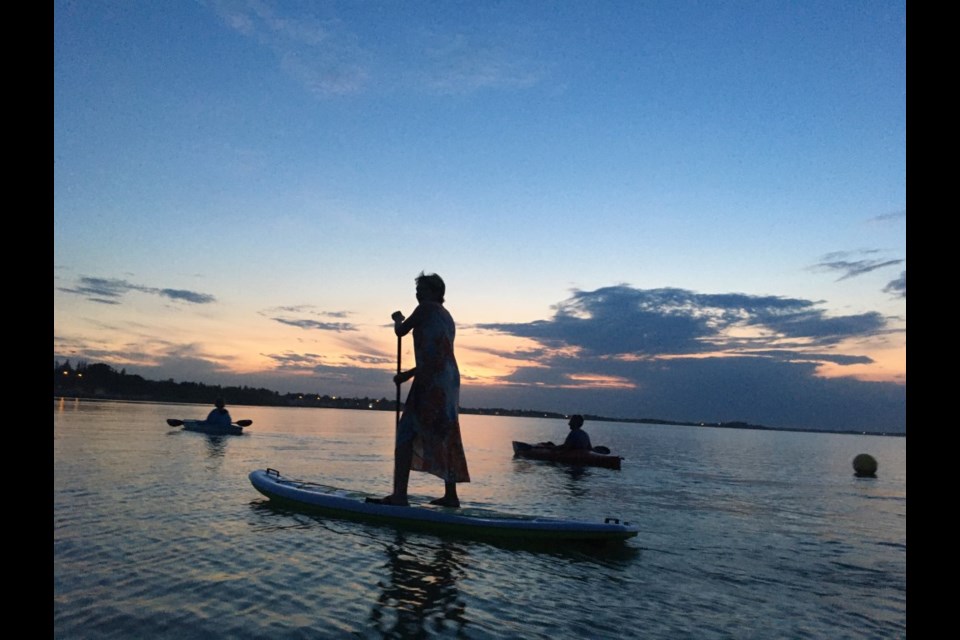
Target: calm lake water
{"x":743,"y":534}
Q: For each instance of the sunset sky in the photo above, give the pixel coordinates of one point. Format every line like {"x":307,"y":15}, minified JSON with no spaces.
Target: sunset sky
{"x":671,"y":209}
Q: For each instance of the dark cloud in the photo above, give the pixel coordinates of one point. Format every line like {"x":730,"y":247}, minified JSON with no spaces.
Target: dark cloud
{"x":898,"y":287}
{"x":825,"y":330}
{"x":669,"y":355}
{"x":111,"y":290}
{"x":187,"y":296}
{"x":758,"y":390}
{"x":187,"y":367}
{"x":101,"y":289}
{"x":784,"y":355}
{"x":622,"y":320}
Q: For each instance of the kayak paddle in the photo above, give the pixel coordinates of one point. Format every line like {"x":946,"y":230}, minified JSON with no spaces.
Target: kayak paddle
{"x":179,"y":423}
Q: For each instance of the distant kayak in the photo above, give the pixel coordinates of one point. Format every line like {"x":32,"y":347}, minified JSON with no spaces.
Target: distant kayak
{"x":460,"y":521}
{"x":581,"y":457}
{"x":202,"y":426}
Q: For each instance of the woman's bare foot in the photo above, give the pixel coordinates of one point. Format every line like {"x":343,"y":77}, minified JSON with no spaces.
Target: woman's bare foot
{"x":446,"y":502}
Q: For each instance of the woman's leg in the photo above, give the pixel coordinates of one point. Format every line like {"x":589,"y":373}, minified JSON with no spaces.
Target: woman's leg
{"x":402,"y":458}
{"x":450,"y":498}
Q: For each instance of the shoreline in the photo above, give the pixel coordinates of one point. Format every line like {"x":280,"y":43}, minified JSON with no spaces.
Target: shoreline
{"x":355,"y":404}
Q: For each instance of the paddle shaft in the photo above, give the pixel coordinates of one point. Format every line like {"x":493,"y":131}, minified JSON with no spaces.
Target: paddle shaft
{"x":399,"y":342}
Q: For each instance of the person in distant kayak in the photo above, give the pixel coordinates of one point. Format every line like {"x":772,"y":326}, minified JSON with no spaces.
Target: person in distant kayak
{"x":577,"y":439}
{"x":428,"y":432}
{"x":219,"y":415}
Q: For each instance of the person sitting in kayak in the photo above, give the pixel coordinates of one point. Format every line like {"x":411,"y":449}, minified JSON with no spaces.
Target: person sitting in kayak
{"x":576,"y":440}
{"x":219,"y":415}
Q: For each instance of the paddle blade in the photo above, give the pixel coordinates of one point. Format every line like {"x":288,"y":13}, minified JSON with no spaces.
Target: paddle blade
{"x":174,"y":423}
{"x":244,"y":423}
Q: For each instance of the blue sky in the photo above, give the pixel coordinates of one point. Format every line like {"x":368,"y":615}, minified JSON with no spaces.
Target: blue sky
{"x":670,"y":209}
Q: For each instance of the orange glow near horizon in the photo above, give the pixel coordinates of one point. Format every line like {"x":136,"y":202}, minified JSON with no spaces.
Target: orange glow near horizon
{"x":254,"y":344}
{"x":889,"y":365}
{"x":594,"y":381}
{"x":486,"y":359}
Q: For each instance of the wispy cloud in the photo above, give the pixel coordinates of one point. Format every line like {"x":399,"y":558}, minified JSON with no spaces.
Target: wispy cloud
{"x":353,"y":376}
{"x":316,"y":325}
{"x":111,"y":290}
{"x":291,"y":361}
{"x":839,"y":262}
{"x":463,"y":63}
{"x":286,"y":315}
{"x":322,"y":54}
{"x":889,"y":217}
{"x":186,"y":296}
{"x":329,"y":56}
{"x":898,"y":287}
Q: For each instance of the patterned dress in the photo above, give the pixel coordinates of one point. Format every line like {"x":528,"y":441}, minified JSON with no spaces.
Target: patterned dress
{"x":431,"y":412}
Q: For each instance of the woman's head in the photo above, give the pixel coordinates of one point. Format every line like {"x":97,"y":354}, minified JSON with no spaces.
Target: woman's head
{"x":430,"y":287}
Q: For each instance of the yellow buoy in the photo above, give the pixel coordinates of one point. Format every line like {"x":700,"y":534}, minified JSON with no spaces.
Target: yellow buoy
{"x":865,"y":466}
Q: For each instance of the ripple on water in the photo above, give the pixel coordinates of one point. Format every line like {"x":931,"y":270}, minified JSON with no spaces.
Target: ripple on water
{"x":158,"y":533}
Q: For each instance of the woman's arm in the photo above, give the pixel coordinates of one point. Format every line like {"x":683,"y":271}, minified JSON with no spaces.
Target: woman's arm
{"x":402,"y":326}
{"x":402,"y":377}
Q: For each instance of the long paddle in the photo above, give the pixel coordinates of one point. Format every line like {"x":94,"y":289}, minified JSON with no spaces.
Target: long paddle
{"x":399,"y":341}
{"x":179,"y":423}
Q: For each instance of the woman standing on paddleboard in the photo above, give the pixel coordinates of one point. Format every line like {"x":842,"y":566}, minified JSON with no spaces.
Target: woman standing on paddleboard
{"x":428,"y":432}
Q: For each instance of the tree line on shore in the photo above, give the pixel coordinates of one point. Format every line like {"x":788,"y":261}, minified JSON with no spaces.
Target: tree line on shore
{"x":103,"y":382}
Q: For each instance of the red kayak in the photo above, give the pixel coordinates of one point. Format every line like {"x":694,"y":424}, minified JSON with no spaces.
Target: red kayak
{"x":581,"y":457}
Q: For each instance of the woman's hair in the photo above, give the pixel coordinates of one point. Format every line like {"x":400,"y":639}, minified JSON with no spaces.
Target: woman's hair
{"x":434,"y":283}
